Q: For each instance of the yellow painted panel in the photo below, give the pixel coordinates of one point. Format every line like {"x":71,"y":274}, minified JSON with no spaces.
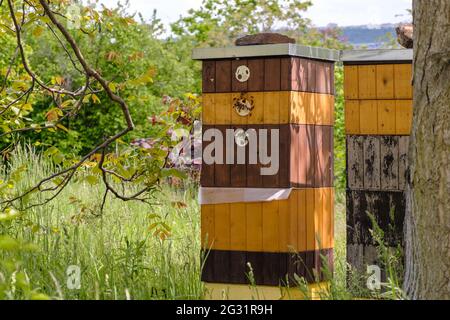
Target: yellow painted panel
{"x":238,"y":227}
{"x":318,"y":218}
{"x":309,"y":103}
{"x":327,"y":210}
{"x":386,"y":117}
{"x":270,"y":226}
{"x":302,"y":220}
{"x":385,"y":81}
{"x":352,"y":117}
{"x":283,"y":225}
{"x":403,"y":81}
{"x":208,"y":112}
{"x":294,"y":216}
{"x":271,"y":107}
{"x":222,"y":227}
{"x":207,"y":226}
{"x":236,"y":119}
{"x":367,"y":87}
{"x":324,"y":104}
{"x":368,"y":117}
{"x":254,"y":227}
{"x":219,"y":291}
{"x":404,"y":115}
{"x":332,"y":226}
{"x":351,"y":82}
{"x":222,"y":106}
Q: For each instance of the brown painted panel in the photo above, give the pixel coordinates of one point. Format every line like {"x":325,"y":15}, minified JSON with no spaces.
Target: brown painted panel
{"x":322,"y":78}
{"x":209,"y":76}
{"x":328,"y":156}
{"x":284,"y":159}
{"x":256,"y":81}
{"x":319,"y":160}
{"x":272,"y":76}
{"x":238,"y":172}
{"x":223,"y":76}
{"x":295,"y":78}
{"x":310,"y":155}
{"x":254,"y":177}
{"x":271,"y":181}
{"x":303,"y":75}
{"x":403,"y":149}
{"x":236,"y":85}
{"x":207,"y":266}
{"x":269,"y":269}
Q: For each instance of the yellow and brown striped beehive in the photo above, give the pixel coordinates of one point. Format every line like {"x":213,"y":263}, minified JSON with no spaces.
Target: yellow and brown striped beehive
{"x":378,"y":119}
{"x":291,"y":89}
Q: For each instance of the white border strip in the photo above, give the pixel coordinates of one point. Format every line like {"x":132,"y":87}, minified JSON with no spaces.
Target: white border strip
{"x":235,"y":195}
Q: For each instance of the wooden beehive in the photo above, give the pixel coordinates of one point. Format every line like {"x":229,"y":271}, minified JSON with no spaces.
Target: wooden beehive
{"x":378,"y":119}
{"x":292,"y":90}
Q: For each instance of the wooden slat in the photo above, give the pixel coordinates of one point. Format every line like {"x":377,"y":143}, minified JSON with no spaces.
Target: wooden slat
{"x":294,"y":221}
{"x":270,"y":226}
{"x":208,"y":111}
{"x":272,"y":107}
{"x":303,"y":75}
{"x":302,"y":226}
{"x":209,"y":76}
{"x":403,"y":81}
{"x":285,"y":106}
{"x":368,"y":116}
{"x":222,"y":177}
{"x":328,"y":154}
{"x":236,"y":85}
{"x":386,"y":117}
{"x":389,"y":163}
{"x":322,"y":78}
{"x":367,"y":79}
{"x":222,"y":229}
{"x":238,"y":172}
{"x":238,"y":227}
{"x":254,"y":227}
{"x":403,"y":149}
{"x":236,"y":119}
{"x":310,"y":220}
{"x":283,"y":224}
{"x":295,"y":170}
{"x":257,"y":116}
{"x":208,"y":171}
{"x":352,"y":117}
{"x":310,"y":153}
{"x":318,"y":217}
{"x":256,"y":81}
{"x":404,"y":114}
{"x":385,"y":81}
{"x":355,"y":162}
{"x":273,"y":181}
{"x":295,"y":74}
{"x":207,"y":226}
{"x":319,"y":160}
{"x":309,"y":103}
{"x":223,"y":76}
{"x":222,"y":103}
{"x":286,"y":74}
{"x":372,"y":163}
{"x":311,"y":82}
{"x":238,"y":267}
{"x":272,"y":76}
{"x":284,"y":176}
{"x":351,"y":84}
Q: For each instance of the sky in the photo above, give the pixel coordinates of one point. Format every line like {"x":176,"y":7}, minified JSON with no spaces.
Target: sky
{"x":323,"y":12}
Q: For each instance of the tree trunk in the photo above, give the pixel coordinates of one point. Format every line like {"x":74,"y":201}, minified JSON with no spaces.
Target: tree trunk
{"x":428,"y":213}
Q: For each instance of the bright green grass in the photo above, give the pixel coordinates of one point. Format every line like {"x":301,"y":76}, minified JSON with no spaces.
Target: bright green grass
{"x":119,"y":256}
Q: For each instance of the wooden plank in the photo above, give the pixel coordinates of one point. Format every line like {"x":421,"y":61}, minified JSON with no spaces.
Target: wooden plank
{"x":207,"y":226}
{"x":271,"y":269}
{"x":351,"y":83}
{"x":403,"y":149}
{"x":326,"y":218}
{"x":310,"y":155}
{"x":222,"y":227}
{"x":207,"y":178}
{"x":283,"y":225}
{"x":270,"y":226}
{"x":285,"y":106}
{"x":309,"y":103}
{"x":368,"y":117}
{"x":367,"y":79}
{"x":273,"y":181}
{"x":208,"y":111}
{"x":256,"y":261}
{"x":319,"y":160}
{"x":310,"y":220}
{"x":238,"y":268}
{"x":324,"y":110}
{"x":404,"y":115}
{"x":286,"y":74}
{"x":389,"y":162}
{"x":284,"y":179}
{"x":238,"y":172}
{"x":271,"y":107}
{"x":254,"y":227}
{"x":236,"y":119}
{"x":295,"y":74}
{"x":318,"y":217}
{"x":355,"y":162}
{"x":293,"y":222}
{"x":322,"y":78}
{"x":223,"y":76}
{"x":236,"y":85}
{"x":297,"y":172}
{"x":256,"y":81}
{"x":209,"y":76}
{"x":207,"y":257}
{"x":222,"y":266}
{"x":372,"y":163}
{"x":303,"y":75}
{"x":254,"y":177}
{"x":385,"y":81}
{"x":311,"y":80}
{"x":298,"y":108}
{"x":330,"y":78}
{"x":222,"y":177}
{"x":257,"y":115}
{"x":328,"y":155}
{"x":352,"y":117}
{"x":386,"y":117}
{"x":272,"y":77}
{"x":332,"y":225}
{"x":403,"y":81}
{"x":302,"y":220}
{"x":238,"y":227}
{"x":223,"y":108}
